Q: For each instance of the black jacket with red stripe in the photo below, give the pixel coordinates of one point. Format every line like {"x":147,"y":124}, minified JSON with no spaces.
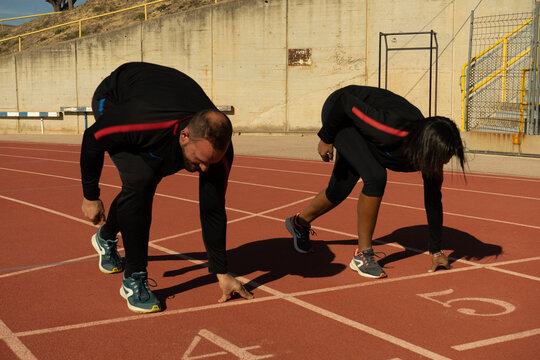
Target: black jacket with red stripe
{"x":384,"y":119}
{"x":141,"y":108}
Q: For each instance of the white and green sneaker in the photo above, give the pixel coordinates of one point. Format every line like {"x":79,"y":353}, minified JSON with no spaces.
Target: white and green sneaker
{"x":136,"y":291}
{"x":110,"y":261}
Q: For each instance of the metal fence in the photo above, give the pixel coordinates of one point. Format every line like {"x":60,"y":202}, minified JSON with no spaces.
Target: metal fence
{"x":499,"y":86}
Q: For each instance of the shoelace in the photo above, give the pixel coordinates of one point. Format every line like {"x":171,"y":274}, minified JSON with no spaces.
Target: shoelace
{"x":303,"y":232}
{"x":115,"y":255}
{"x":369,"y":260}
{"x":142,"y":287}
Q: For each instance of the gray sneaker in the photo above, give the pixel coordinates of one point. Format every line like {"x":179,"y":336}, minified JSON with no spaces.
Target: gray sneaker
{"x":110,"y":261}
{"x":364,"y":263}
{"x":300,"y":234}
{"x":136,"y":291}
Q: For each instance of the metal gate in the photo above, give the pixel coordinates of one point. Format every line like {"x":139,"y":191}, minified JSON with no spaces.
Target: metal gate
{"x":500,"y":83}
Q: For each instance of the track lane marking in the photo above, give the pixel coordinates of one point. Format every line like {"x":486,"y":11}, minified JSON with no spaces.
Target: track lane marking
{"x":292,"y":299}
{"x":246,"y":212}
{"x":304,"y":173}
{"x":14,"y":343}
{"x":497,"y":340}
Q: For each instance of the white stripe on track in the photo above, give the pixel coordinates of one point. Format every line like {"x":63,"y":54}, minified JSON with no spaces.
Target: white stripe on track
{"x":277,"y":294}
{"x":272,"y":158}
{"x":296,"y":172}
{"x":497,"y":340}
{"x":14,"y":343}
{"x":246,"y":212}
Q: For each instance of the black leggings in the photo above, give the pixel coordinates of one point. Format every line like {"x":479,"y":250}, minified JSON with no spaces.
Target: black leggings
{"x":131,"y":211}
{"x":354,"y":160}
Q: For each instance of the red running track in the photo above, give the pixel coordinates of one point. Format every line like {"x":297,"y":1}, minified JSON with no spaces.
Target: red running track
{"x":56,"y":304}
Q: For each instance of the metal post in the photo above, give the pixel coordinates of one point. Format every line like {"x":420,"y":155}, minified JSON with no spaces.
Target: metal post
{"x":436,"y":70}
{"x":467,"y":71}
{"x":380,"y":36}
{"x":42,"y":126}
{"x":386,"y":63}
{"x":430,"y":67}
{"x":533,"y":94}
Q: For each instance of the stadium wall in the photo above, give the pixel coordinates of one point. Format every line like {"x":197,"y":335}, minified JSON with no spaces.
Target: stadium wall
{"x":275,"y":61}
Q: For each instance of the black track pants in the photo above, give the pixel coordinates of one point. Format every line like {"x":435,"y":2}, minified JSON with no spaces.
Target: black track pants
{"x":131,"y":211}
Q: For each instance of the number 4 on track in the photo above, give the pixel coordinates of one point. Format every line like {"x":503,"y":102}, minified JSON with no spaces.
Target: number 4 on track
{"x":229,"y":348}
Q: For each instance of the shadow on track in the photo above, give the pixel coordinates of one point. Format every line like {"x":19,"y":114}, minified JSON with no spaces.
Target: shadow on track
{"x":275,"y":257}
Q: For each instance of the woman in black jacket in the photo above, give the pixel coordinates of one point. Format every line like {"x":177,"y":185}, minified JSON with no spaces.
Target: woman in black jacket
{"x":373,"y":130}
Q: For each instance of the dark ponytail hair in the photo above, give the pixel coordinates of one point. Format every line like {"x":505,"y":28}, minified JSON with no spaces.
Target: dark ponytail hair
{"x":431,"y":143}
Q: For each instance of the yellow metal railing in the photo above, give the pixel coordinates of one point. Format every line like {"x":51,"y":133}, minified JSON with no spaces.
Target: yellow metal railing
{"x":80,"y":21}
{"x":503,"y":69}
{"x":29,"y":16}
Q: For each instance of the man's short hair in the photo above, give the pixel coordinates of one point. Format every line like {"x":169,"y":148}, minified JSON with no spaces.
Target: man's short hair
{"x":212,"y":125}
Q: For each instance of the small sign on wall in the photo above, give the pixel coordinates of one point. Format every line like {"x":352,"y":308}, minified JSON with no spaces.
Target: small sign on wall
{"x":299,"y":57}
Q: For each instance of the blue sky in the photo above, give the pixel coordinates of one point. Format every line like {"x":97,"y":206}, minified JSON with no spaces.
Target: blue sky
{"x":15,"y":8}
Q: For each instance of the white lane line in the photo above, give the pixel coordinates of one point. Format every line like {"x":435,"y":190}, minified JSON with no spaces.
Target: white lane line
{"x":296,"y":172}
{"x":14,"y":343}
{"x":246,"y":212}
{"x":41,"y":267}
{"x":469,"y":191}
{"x":140,"y":317}
{"x":329,"y":314}
{"x":473,"y":266}
{"x":515,"y":273}
{"x":41,"y":150}
{"x":46,"y":209}
{"x":449,"y":172}
{"x":369,"y":330}
{"x":250,"y":215}
{"x":357,"y":325}
{"x":497,"y":340}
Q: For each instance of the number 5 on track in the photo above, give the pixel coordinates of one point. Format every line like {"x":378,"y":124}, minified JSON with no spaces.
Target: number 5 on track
{"x":508,"y":308}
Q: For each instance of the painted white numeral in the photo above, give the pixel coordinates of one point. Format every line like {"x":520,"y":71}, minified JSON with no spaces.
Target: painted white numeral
{"x":240,"y":353}
{"x":508,"y":308}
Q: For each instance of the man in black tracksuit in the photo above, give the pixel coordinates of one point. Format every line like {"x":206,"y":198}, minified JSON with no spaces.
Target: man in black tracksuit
{"x":373,"y":130}
{"x":155,"y":121}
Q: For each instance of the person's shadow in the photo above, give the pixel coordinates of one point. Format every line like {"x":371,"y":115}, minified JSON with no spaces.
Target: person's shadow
{"x":414,"y":239}
{"x":276,"y":258}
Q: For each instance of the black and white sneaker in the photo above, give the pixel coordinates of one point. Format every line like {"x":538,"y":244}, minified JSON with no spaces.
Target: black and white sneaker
{"x":136,"y":290}
{"x":364,"y":263}
{"x":110,"y":261}
{"x":300,"y":234}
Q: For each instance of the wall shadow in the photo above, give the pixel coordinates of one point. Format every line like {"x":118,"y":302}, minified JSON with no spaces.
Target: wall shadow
{"x":275,"y":258}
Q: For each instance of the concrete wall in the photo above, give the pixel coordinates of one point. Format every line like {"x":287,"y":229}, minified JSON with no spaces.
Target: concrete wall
{"x":238,"y":51}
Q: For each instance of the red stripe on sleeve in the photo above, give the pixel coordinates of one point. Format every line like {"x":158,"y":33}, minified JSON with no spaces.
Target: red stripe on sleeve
{"x":136,"y":127}
{"x":378,"y":125}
